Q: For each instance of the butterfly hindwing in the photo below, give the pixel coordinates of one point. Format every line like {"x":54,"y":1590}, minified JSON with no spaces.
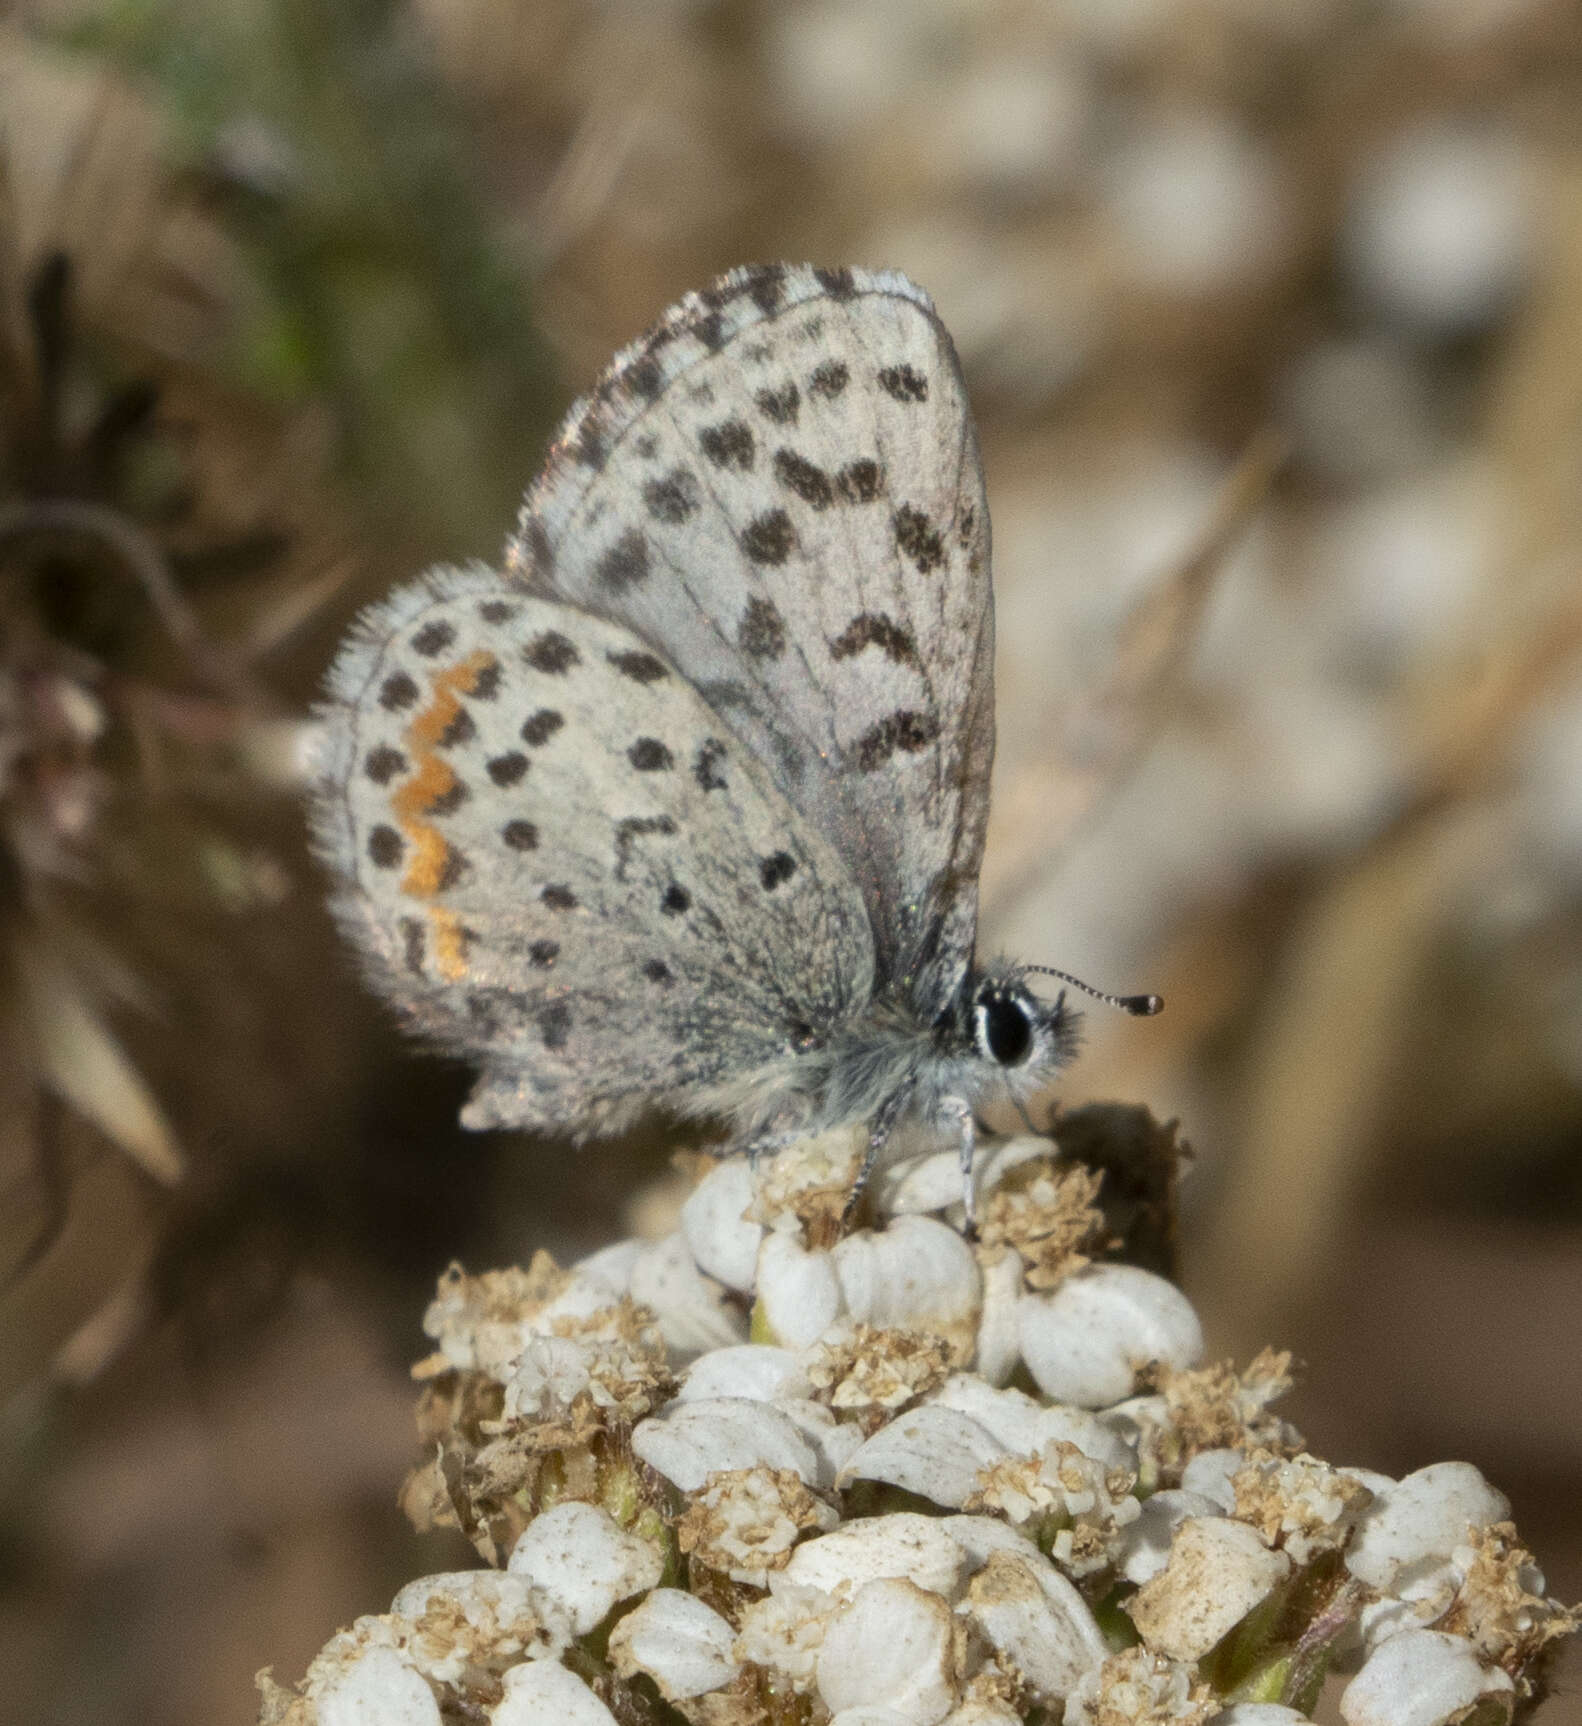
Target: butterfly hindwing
{"x":559,"y":862}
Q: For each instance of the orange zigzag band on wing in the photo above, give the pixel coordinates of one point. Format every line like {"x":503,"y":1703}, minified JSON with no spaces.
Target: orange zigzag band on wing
{"x":436,"y":864}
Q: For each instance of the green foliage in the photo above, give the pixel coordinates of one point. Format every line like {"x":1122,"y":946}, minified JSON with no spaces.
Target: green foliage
{"x":378,"y":282}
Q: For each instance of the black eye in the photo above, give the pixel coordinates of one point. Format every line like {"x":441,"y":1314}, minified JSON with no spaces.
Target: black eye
{"x":1004,"y":1030}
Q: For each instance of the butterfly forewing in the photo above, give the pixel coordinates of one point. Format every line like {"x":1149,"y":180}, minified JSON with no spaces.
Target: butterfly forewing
{"x":779,"y":489}
{"x":559,"y":862}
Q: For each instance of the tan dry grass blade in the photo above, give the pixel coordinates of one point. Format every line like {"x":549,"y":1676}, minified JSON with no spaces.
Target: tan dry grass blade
{"x":82,"y":1063}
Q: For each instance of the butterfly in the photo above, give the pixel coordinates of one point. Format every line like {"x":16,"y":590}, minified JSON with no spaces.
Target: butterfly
{"x":683,"y":808}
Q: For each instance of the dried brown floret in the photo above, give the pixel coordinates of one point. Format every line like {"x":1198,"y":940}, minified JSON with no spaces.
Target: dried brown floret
{"x":1049,"y":1213}
{"x":1215,"y":1407}
{"x":875,"y":1372}
{"x":749,"y":1519}
{"x":1498,"y":1608}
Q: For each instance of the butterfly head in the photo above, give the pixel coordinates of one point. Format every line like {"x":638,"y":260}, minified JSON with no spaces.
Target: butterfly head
{"x":1026,"y":1038}
{"x":1016,"y":1032}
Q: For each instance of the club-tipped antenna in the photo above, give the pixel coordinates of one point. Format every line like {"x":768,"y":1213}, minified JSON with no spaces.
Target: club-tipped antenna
{"x":1140,"y":1006}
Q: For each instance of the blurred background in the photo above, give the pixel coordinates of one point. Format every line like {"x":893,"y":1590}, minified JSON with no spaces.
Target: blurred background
{"x":1271,"y":311}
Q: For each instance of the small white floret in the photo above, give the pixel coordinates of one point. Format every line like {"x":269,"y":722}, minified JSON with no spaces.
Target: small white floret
{"x":545,"y":1691}
{"x":578,"y":1557}
{"x":900,"y":1544}
{"x":723,"y":1241}
{"x":785,"y":1630}
{"x":610,"y":1267}
{"x":692,"y":1315}
{"x":999,"y":1345}
{"x":799,"y":1293}
{"x":1260,"y":1714}
{"x":1024,"y":1426}
{"x":1086,"y":1340}
{"x":935,"y":1452}
{"x":550,"y":1374}
{"x":379,"y":1688}
{"x":1420,"y":1678}
{"x":1218,"y":1570}
{"x":834,"y":1441}
{"x":750,"y":1369}
{"x":689,"y":1441}
{"x":890,"y":1648}
{"x":1036,"y":1622}
{"x":1213,"y":1474}
{"x":1145,"y":1545}
{"x":492,"y":1615}
{"x":918,"y":1274}
{"x":681,"y":1643}
{"x":1416,"y":1523}
{"x":980,"y":1536}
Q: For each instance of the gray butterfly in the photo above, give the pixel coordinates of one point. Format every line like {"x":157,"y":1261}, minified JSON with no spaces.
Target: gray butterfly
{"x":685,"y":808}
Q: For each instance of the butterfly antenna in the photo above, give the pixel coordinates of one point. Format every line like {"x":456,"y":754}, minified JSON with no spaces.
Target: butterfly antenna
{"x":1141,"y":1006}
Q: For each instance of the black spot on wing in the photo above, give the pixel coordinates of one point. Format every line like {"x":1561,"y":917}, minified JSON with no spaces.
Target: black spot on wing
{"x":710,"y":330}
{"x":520,"y":835}
{"x":456,"y":865}
{"x":838,"y":284}
{"x":657,"y":971}
{"x":554,"y":1024}
{"x":538,"y":728}
{"x":829,"y":379}
{"x":766,"y":284}
{"x":397,"y":692}
{"x":386,"y":847}
{"x":705,"y":768}
{"x":805,"y":478}
{"x":674,"y":497}
{"x":645,"y":378}
{"x":769,"y":538}
{"x":775,"y":869}
{"x":649,"y":755}
{"x":761,"y":634}
{"x":559,"y":897}
{"x":640,"y":667}
{"x":875,"y":629}
{"x":675,"y":901}
{"x":434,"y":637}
{"x":859,"y":481}
{"x":904,"y":383}
{"x":625,"y":564}
{"x":552,"y":653}
{"x":903,"y":732}
{"x":448,"y":801}
{"x":383,"y":764}
{"x":728,"y":444}
{"x":496,"y":611}
{"x":918,"y":538}
{"x":506,"y":770}
{"x":781,"y":405}
{"x":543,"y":954}
{"x":486,"y":682}
{"x":459,"y":729}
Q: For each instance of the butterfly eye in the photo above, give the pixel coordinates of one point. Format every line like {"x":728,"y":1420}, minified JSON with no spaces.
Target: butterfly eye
{"x":1005,"y":1030}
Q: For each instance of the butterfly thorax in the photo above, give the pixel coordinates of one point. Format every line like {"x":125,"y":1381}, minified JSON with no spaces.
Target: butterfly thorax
{"x":994,"y":1040}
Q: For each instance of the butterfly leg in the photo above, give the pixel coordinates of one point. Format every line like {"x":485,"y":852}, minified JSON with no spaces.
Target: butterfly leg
{"x":958,"y":1112}
{"x":766,"y":1144}
{"x":879,"y":1131}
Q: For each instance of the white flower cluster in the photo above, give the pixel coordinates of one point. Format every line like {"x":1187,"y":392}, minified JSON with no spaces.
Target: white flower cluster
{"x":766,"y":1472}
